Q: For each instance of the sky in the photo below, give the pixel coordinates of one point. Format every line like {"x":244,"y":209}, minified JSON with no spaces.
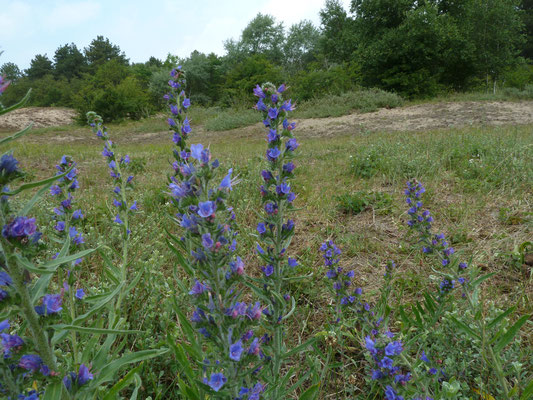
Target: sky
{"x":141,"y":28}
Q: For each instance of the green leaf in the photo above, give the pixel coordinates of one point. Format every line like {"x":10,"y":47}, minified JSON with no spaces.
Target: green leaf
{"x":14,"y":107}
{"x":98,"y":305}
{"x":310,"y":393}
{"x":181,"y":357}
{"x":32,"y":185}
{"x":301,"y":347}
{"x":54,"y":391}
{"x":29,"y":205}
{"x":511,"y":333}
{"x":465,"y":328}
{"x":107,"y":372}
{"x":138,"y":385}
{"x":16,"y":135}
{"x":51,"y":266}
{"x":528,"y":391}
{"x":181,"y":260}
{"x":500,"y":317}
{"x":101,"y":331}
{"x":121,"y":384}
{"x":293,"y":308}
{"x":481,"y":279}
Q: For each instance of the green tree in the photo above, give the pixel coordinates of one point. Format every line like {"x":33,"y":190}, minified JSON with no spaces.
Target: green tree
{"x":203,"y":77}
{"x":338,"y":41}
{"x":40,"y":66}
{"x":241,"y":79}
{"x":263,"y":36}
{"x":113,"y":93}
{"x":527,"y":19}
{"x":101,"y":50}
{"x":69,"y":62}
{"x":11,"y":72}
{"x":301,"y":46}
{"x":494,"y":26}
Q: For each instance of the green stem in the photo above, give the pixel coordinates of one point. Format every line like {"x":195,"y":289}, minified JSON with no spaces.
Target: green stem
{"x":125,"y":241}
{"x":9,"y":381}
{"x":487,"y":347}
{"x":17,"y":274}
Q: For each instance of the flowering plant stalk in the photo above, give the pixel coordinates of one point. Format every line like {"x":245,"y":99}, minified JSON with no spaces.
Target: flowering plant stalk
{"x":123,"y":184}
{"x":26,"y":307}
{"x":223,"y":323}
{"x":275,"y":233}
{"x":494,"y":335}
{"x":108,"y":357}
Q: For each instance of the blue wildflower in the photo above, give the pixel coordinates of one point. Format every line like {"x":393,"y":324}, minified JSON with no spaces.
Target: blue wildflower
{"x":206,"y":209}
{"x":235,"y":350}
{"x":217,"y":381}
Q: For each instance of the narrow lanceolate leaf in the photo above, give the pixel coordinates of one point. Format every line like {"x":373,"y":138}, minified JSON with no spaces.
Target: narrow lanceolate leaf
{"x":54,"y":391}
{"x":511,"y":333}
{"x":500,"y":317}
{"x":51,"y":266}
{"x":101,"y":331}
{"x":481,"y":279}
{"x":99,"y":305}
{"x":16,"y":135}
{"x":181,"y":260}
{"x":465,"y":328}
{"x":310,"y":393}
{"x":32,"y":185}
{"x":121,"y":384}
{"x":108,"y":371}
{"x":14,"y":107}
{"x":528,"y":391}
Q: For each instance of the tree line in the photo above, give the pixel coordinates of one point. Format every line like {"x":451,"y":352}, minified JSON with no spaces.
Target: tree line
{"x":416,"y":48}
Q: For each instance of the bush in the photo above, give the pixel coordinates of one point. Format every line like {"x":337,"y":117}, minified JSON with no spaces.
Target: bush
{"x":316,"y":82}
{"x":113,"y":94}
{"x":363,"y":100}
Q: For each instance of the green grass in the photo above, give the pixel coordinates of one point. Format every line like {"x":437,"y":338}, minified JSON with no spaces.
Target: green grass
{"x":226,"y":119}
{"x":478,"y":183}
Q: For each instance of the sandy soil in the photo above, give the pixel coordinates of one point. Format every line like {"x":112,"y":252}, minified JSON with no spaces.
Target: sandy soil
{"x":424,"y":117}
{"x":40,"y":116}
{"x":411,"y":118}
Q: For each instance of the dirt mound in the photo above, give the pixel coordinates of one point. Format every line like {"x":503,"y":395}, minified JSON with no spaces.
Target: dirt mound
{"x":40,"y":116}
{"x":424,"y":117}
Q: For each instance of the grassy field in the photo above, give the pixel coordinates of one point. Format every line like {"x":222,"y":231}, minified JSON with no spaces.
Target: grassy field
{"x":479,"y":183}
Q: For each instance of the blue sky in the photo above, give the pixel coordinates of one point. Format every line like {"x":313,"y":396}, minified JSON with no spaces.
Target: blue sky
{"x":142,"y":28}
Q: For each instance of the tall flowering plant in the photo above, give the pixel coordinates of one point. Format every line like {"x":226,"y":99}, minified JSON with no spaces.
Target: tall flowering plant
{"x":493,"y":335}
{"x":225,"y":347}
{"x":275,"y":231}
{"x":29,"y":315}
{"x":124,"y":205}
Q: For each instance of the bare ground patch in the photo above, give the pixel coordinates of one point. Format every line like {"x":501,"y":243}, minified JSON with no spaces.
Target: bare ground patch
{"x":411,"y":118}
{"x":41,"y":117}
